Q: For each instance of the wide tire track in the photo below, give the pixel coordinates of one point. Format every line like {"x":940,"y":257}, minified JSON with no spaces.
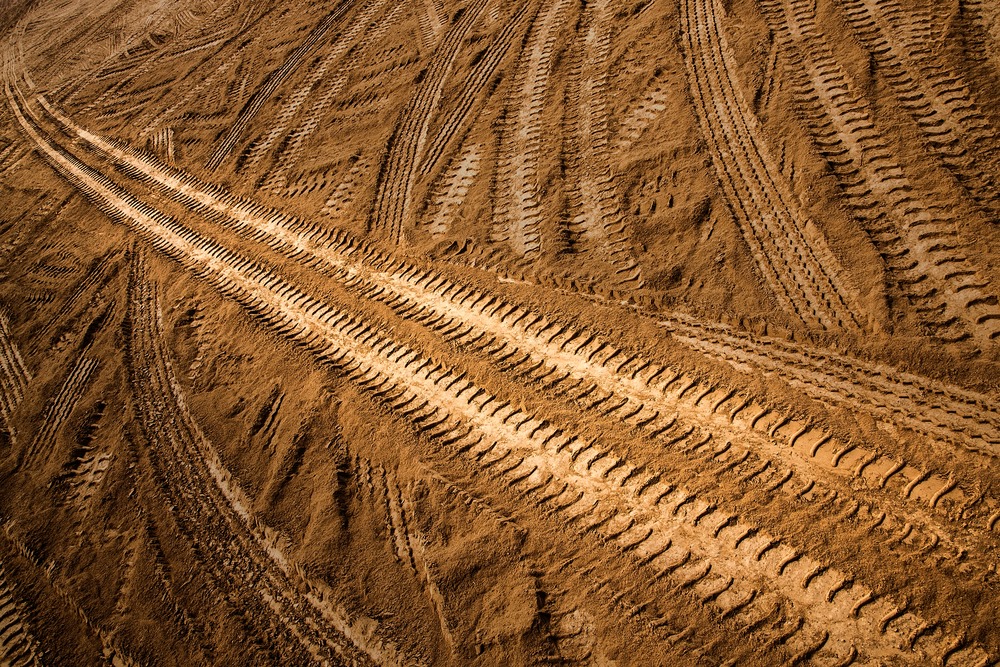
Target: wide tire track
{"x":936,"y":96}
{"x":517,"y":224}
{"x":520,"y":339}
{"x":796,"y":262}
{"x":570,"y":361}
{"x":447,"y":407}
{"x":916,"y":236}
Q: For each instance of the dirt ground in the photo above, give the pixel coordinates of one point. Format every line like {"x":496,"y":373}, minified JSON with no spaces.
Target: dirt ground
{"x":652,"y":332}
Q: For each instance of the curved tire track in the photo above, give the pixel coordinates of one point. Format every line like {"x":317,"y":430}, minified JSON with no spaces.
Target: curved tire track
{"x":796,"y":262}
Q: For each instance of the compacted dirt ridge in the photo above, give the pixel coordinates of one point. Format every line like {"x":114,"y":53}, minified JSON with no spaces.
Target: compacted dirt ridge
{"x":659,"y":332}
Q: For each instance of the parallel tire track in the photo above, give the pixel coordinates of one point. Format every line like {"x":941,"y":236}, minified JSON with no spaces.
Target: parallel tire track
{"x":475,"y":82}
{"x":333,"y":56}
{"x":271,"y":84}
{"x":292,"y":150}
{"x":568,"y":360}
{"x":795,"y":261}
{"x":518,"y":220}
{"x":935,"y":409}
{"x":916,"y":236}
{"x":522,"y":448}
{"x":59,"y":409}
{"x":702,"y":551}
{"x":937,"y":97}
{"x":393,"y":200}
{"x":208,"y":501}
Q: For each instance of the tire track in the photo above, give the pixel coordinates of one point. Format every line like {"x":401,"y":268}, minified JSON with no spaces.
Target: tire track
{"x":642,"y":114}
{"x":14,"y":374}
{"x":917,"y":239}
{"x":271,"y":83}
{"x":18,"y":647}
{"x":102,"y":271}
{"x":209,"y":502}
{"x":46,"y":573}
{"x":792,"y":256}
{"x":679,"y":408}
{"x":312,"y":619}
{"x":333,"y":57}
{"x":153,"y":60}
{"x":935,"y":95}
{"x":650,"y":518}
{"x":518,"y":218}
{"x":87,"y":470}
{"x":453,"y":189}
{"x":392,"y":209}
{"x":475,"y":82}
{"x":937,"y":410}
{"x":291,"y":151}
{"x":431,"y":23}
{"x":598,"y":226}
{"x":58,"y":410}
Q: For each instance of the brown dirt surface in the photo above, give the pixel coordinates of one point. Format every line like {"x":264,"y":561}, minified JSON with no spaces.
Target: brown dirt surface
{"x":464,"y":332}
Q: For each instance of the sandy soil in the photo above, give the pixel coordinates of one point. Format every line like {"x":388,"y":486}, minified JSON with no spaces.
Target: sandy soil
{"x":661,"y":332}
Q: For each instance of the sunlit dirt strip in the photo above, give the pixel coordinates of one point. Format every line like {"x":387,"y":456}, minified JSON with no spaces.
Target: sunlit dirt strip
{"x":933,"y":408}
{"x":323,"y":618}
{"x":18,"y":647}
{"x":393,"y":202}
{"x":518,"y":219}
{"x":208,"y":500}
{"x":791,"y":254}
{"x":647,"y":515}
{"x":935,"y":95}
{"x":271,"y":83}
{"x":921,"y":245}
{"x":574,"y":362}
